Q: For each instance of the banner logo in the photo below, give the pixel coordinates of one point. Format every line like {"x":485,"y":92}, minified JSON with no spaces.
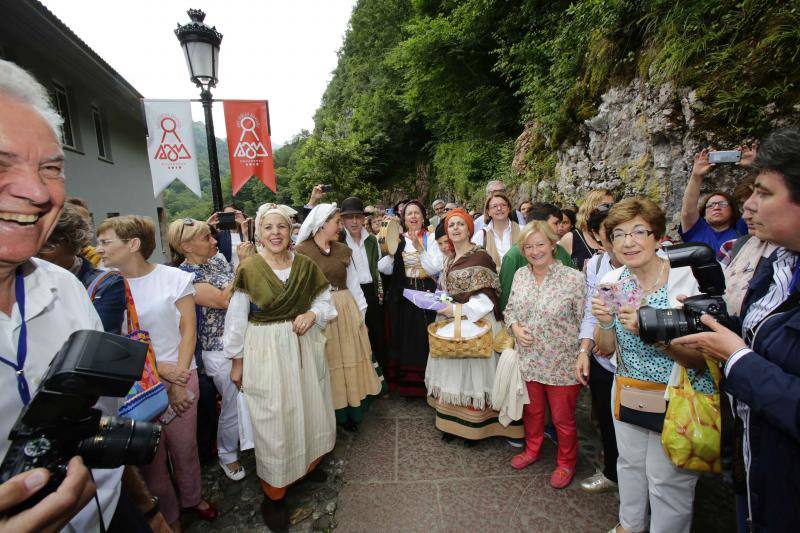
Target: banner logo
{"x":253,"y":147}
{"x":249,"y":145}
{"x":175,"y":151}
{"x":171,"y":150}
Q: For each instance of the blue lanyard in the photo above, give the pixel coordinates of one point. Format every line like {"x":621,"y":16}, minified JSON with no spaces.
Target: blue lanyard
{"x":22,"y":343}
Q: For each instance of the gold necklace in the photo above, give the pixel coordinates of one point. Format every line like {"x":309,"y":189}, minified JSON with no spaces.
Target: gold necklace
{"x":658,"y":278}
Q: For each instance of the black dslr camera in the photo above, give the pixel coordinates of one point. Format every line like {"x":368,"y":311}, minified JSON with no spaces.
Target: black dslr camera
{"x":60,"y":422}
{"x":662,"y":325}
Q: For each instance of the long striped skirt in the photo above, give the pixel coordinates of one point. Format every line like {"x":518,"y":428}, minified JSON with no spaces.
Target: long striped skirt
{"x":288,"y":393}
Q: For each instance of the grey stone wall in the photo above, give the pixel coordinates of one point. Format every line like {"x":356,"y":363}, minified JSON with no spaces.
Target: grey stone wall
{"x":641,"y":142}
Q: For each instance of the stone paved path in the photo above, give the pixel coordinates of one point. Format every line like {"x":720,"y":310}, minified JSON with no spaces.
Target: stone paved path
{"x":397,"y":475}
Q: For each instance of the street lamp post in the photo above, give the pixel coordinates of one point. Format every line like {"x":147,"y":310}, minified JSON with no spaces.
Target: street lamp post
{"x":200,"y":44}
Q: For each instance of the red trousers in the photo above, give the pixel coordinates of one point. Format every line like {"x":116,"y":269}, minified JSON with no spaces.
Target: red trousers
{"x":561,"y":400}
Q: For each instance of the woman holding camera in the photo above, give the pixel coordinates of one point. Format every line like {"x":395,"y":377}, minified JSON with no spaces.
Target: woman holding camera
{"x":273,"y":332}
{"x":164,"y":300}
{"x":646,"y":476}
{"x":413,"y":266}
{"x":354,"y":374}
{"x":194,"y":250}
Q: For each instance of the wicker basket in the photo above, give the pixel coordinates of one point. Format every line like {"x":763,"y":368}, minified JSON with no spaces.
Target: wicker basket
{"x":458,"y":347}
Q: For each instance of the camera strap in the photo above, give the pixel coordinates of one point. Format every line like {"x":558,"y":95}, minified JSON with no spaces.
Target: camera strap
{"x":22,"y":343}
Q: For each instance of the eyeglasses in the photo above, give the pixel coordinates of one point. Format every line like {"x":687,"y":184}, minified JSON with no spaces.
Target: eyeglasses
{"x":186,"y":222}
{"x":105,"y":242}
{"x":638,"y":235}
{"x":722,"y":204}
{"x":498,"y":207}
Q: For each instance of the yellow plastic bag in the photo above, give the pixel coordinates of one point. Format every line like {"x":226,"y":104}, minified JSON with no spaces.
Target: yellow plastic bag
{"x":693,"y":425}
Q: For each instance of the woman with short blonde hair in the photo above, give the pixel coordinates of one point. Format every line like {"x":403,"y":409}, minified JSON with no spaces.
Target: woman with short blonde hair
{"x":580,"y":243}
{"x":193,"y":249}
{"x":544,"y":312}
{"x":164,"y":300}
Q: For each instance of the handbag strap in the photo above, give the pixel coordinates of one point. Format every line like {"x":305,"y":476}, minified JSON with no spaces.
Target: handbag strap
{"x":133,"y":317}
{"x":94,"y":286}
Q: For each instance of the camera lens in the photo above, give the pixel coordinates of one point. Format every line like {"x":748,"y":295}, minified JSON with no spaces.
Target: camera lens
{"x":661,"y":325}
{"x":120,"y":441}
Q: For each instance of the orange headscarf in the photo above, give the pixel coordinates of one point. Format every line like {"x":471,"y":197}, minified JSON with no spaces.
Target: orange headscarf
{"x":458,"y":212}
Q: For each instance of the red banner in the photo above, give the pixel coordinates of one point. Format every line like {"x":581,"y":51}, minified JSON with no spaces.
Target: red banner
{"x":249,"y":146}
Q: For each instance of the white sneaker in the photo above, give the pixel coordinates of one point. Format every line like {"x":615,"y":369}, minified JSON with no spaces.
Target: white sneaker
{"x":598,"y":483}
{"x":235,"y":475}
{"x":516,"y":443}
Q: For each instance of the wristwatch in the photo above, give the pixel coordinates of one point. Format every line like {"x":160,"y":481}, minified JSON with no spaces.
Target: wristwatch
{"x":583,"y":350}
{"x":154,"y":510}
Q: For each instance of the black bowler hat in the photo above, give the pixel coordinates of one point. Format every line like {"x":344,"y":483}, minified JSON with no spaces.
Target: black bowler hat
{"x":352,"y":206}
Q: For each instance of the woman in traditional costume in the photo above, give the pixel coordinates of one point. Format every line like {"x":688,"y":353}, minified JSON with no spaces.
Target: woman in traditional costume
{"x":356,"y":377}
{"x":460,"y":388}
{"x":499,"y":233}
{"x":413,"y":266}
{"x":273,"y":332}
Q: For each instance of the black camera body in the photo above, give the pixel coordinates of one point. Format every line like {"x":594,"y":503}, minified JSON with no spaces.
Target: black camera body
{"x":60,"y":421}
{"x":662,"y":325}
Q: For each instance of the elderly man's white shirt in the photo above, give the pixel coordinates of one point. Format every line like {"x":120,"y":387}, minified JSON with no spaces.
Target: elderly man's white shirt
{"x":56,"y":304}
{"x":360,"y":259}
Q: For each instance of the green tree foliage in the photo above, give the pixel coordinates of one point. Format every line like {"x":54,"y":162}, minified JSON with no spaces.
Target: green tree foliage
{"x":430,"y":95}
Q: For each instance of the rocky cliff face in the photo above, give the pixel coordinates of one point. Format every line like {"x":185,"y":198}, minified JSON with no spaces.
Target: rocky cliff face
{"x":641,"y":142}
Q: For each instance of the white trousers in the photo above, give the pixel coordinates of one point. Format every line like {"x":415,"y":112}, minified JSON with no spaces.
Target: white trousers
{"x":647,"y":476}
{"x":218,"y":368}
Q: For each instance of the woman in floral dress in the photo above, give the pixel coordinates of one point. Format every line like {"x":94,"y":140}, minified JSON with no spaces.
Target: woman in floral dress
{"x":544,"y":313}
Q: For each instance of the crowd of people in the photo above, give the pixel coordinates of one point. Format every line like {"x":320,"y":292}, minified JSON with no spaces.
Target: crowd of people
{"x":305,"y":326}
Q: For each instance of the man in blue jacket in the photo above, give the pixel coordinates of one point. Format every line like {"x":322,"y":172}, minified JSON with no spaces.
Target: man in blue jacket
{"x":762,"y":367}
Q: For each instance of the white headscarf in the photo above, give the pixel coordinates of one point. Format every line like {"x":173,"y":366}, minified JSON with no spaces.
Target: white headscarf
{"x":315,"y":220}
{"x":269,"y":209}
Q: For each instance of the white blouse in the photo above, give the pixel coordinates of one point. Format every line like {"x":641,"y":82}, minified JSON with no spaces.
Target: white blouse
{"x":431,"y":259}
{"x":239,"y":308}
{"x":502,"y":243}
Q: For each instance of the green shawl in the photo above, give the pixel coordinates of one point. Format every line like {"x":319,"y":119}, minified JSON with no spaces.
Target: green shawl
{"x":272,"y":301}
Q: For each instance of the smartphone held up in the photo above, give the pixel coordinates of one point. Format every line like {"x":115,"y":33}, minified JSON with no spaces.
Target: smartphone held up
{"x":725,"y":156}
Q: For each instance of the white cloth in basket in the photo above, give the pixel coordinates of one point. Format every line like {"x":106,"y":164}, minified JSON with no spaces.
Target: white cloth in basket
{"x":468,"y":329}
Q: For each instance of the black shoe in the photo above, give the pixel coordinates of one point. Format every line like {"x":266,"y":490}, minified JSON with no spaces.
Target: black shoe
{"x":469,"y":443}
{"x":318,"y":475}
{"x":447,"y":437}
{"x":275,"y":514}
{"x":350,"y":426}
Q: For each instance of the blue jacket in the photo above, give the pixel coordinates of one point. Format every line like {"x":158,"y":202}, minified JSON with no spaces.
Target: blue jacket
{"x":768,"y":381}
{"x":109,"y":299}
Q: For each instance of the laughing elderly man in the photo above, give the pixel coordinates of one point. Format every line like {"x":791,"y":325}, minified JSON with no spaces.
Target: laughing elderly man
{"x":40,"y":304}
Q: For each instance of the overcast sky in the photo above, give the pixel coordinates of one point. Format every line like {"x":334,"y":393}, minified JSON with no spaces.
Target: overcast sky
{"x":282,"y":51}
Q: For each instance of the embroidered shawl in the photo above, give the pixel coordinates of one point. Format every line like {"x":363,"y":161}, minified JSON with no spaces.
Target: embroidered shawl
{"x":271,"y":301}
{"x":473,"y":273}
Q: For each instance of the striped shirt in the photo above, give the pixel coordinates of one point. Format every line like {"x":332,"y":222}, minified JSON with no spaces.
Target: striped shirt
{"x":779,"y":290}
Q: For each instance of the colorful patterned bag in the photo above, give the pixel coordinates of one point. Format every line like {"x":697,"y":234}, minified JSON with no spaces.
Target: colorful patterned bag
{"x":147,"y":399}
{"x":693,"y":424}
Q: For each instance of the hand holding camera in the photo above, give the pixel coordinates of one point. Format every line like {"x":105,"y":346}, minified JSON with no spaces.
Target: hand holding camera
{"x":60,"y":423}
{"x":53,"y":512}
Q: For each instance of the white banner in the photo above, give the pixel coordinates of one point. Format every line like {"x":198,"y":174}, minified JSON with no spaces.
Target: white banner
{"x":170,"y":144}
